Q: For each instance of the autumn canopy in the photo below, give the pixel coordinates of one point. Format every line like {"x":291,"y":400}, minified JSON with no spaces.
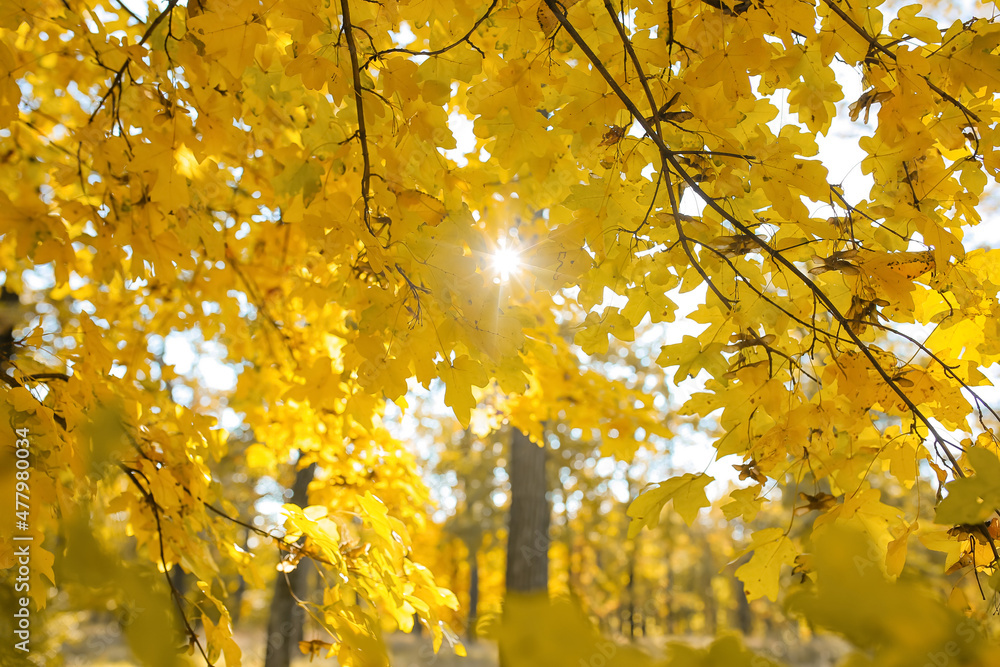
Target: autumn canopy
{"x":770,"y":203}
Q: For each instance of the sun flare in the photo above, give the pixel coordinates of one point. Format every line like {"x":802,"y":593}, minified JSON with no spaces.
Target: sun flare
{"x":506,"y":262}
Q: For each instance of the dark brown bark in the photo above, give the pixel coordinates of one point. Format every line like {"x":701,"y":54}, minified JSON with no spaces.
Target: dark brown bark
{"x":10,"y":314}
{"x":527,"y":538}
{"x":744,"y":617}
{"x":235,"y":609}
{"x":528,"y":534}
{"x":179,"y":579}
{"x":284,"y":627}
{"x":470,"y":630}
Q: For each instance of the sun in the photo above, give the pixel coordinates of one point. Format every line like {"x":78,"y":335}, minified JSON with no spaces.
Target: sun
{"x":506,"y":262}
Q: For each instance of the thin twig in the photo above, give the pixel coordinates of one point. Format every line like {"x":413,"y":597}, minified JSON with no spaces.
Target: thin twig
{"x":665,"y":170}
{"x":436,"y":52}
{"x":874,"y":43}
{"x":174,"y":593}
{"x":125,"y":8}
{"x":36,"y":377}
{"x":116,"y":83}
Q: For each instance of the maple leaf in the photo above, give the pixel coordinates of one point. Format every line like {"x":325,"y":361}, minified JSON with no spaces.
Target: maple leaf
{"x":971,"y":500}
{"x":460,"y":376}
{"x":612,"y":136}
{"x":771,"y":549}
{"x":310,"y":194}
{"x":744,"y":503}
{"x":819,"y":502}
{"x":691,"y":357}
{"x":687,"y":492}
{"x":867,"y":99}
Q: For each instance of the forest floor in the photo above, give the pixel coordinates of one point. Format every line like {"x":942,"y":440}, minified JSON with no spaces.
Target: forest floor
{"x":411,"y":651}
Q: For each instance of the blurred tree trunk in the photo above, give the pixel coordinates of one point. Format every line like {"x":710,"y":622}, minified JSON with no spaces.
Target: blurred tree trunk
{"x":284,"y":626}
{"x":744,"y":617}
{"x":571,"y":577}
{"x":179,"y":580}
{"x":631,"y":597}
{"x":470,"y":629}
{"x":241,"y":586}
{"x":706,"y":575}
{"x":10,"y":316}
{"x":528,"y":532}
{"x":668,"y":610}
{"x":303,"y":585}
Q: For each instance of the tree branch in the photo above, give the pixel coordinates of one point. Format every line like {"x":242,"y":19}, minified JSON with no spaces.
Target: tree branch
{"x":645,"y":123}
{"x":735,"y":10}
{"x":116,"y":83}
{"x":366,"y":175}
{"x":174,"y":593}
{"x":436,"y":52}
{"x":874,"y":43}
{"x":775,"y":255}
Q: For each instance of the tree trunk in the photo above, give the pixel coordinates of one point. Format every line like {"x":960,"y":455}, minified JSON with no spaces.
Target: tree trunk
{"x":303,"y":584}
{"x":668,"y":605}
{"x":10,"y":314}
{"x":179,"y":580}
{"x":744,"y":617}
{"x":528,"y":533}
{"x":631,"y":596}
{"x":571,"y":582}
{"x":527,"y":546}
{"x":706,"y":574}
{"x":470,"y":629}
{"x":284,"y":626}
{"x":235,"y":609}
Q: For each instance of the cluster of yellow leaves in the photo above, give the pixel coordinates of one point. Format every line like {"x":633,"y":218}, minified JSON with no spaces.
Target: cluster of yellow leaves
{"x":374,"y":562}
{"x":278,"y":177}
